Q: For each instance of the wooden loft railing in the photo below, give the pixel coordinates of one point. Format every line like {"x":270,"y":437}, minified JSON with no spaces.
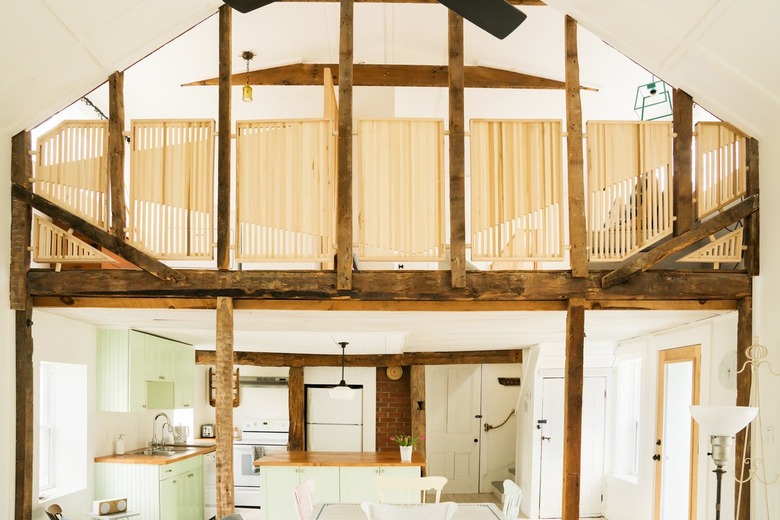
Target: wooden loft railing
{"x":286,"y":188}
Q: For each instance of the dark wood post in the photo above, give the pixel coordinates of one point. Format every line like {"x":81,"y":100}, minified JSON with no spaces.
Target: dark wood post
{"x":21,"y":220}
{"x":742,"y":460}
{"x":683,"y":162}
{"x":572,"y":409}
{"x":457,"y":153}
{"x":578,"y":252}
{"x":116,"y":153}
{"x":224,"y":407}
{"x":417,"y":394}
{"x":23,"y":502}
{"x":297,"y":440}
{"x":751,"y":239}
{"x":344,"y":183}
{"x":224,"y":138}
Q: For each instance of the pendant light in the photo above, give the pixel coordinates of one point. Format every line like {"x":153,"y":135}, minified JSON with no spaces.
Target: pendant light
{"x":246,"y":93}
{"x":341,"y":391}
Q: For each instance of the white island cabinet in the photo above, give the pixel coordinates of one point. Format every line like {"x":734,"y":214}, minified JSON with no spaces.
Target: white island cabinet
{"x":279,"y":482}
{"x":171,"y":491}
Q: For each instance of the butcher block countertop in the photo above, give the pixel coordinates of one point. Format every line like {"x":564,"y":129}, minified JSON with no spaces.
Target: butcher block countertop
{"x":339,"y":458}
{"x":138,"y":458}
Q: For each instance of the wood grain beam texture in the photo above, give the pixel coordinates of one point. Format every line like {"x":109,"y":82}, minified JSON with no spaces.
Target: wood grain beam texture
{"x":296,"y":395}
{"x":457,"y":147}
{"x":21,"y":220}
{"x":94,"y":233}
{"x":389,"y":75}
{"x":751,"y":240}
{"x":224,"y":407}
{"x":417,"y":395}
{"x":344,"y":150}
{"x":645,"y":261}
{"x":578,"y":252}
{"x":23,"y":501}
{"x":682,"y":121}
{"x":572,"y":409}
{"x":116,"y":153}
{"x":224,"y":138}
{"x":280,"y":359}
{"x":409,"y":287}
{"x":743,"y":442}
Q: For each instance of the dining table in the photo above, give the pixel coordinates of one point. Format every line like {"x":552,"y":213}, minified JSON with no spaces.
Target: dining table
{"x":345,"y":511}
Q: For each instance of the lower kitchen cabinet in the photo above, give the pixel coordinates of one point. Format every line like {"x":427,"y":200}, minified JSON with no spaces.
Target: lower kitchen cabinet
{"x":279,"y":482}
{"x":159,"y":492}
{"x":357,"y":482}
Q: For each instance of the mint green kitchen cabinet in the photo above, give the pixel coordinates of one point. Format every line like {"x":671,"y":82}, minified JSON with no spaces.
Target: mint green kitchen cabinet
{"x":357,"y":482}
{"x":120,"y":371}
{"x":159,"y":492}
{"x":137,"y":371}
{"x":279,"y":482}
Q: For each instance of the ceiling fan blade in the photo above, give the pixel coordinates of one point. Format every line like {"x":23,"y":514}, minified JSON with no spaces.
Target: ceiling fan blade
{"x":497,"y":17}
{"x":245,"y":6}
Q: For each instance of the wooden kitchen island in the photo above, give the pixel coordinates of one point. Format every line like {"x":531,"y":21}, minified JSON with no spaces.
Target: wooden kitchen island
{"x":339,"y":476}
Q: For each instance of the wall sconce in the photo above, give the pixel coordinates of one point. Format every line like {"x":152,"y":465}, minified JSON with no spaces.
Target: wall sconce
{"x":653,"y":101}
{"x":246,"y":93}
{"x":722,"y":423}
{"x":341,"y":391}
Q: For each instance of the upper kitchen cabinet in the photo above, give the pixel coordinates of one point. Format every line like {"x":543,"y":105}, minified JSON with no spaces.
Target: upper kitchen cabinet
{"x":136,"y":371}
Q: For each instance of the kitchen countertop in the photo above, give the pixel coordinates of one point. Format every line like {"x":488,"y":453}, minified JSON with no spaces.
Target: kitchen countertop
{"x":201,"y":448}
{"x":339,"y":458}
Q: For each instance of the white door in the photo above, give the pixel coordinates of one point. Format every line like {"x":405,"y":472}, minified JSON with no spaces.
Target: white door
{"x":592,"y":458}
{"x":453,"y":425}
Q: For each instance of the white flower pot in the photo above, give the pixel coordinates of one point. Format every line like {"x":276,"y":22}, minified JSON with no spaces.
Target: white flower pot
{"x":406,"y":453}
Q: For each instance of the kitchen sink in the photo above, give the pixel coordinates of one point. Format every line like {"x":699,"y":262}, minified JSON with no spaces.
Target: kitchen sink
{"x":165,"y":450}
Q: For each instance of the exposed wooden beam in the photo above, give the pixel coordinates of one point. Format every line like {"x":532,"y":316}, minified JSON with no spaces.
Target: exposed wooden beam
{"x":281,"y":359}
{"x":23,"y":502}
{"x":457,"y":147}
{"x":116,"y":153}
{"x":572,"y":409}
{"x":752,"y":235}
{"x":389,"y":75}
{"x":21,"y":221}
{"x":344,"y":150}
{"x":645,"y":261}
{"x":224,"y":140}
{"x":417,"y":395}
{"x":683,"y":162}
{"x":224,"y":407}
{"x":395,"y":286}
{"x":578,"y":252}
{"x":297,"y":440}
{"x":742,"y":463}
{"x":94,"y":233}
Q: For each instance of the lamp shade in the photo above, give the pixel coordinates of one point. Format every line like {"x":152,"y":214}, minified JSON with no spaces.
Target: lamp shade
{"x":723,"y":421}
{"x":341,"y":392}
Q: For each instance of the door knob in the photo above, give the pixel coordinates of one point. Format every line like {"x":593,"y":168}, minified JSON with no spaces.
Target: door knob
{"x":656,"y":457}
{"x":476,"y":440}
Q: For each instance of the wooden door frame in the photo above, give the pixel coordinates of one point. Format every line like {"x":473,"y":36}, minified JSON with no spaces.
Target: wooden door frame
{"x":677,"y":355}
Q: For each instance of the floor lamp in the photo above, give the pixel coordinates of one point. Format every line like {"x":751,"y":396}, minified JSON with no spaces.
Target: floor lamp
{"x":722,"y":423}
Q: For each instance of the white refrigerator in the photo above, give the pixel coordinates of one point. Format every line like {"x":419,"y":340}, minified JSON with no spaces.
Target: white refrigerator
{"x":331,"y":424}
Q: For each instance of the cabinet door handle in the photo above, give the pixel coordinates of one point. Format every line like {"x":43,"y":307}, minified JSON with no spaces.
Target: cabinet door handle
{"x":186,"y":406}
{"x":175,"y":481}
{"x":168,"y":470}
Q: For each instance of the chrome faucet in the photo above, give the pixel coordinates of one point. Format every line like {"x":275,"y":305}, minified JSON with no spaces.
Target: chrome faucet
{"x":155,"y":444}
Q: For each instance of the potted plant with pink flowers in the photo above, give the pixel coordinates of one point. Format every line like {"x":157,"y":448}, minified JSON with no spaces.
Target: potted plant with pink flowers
{"x":406,"y":444}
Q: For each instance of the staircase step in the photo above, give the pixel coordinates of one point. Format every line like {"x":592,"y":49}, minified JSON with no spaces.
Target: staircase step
{"x":513,"y":471}
{"x":499,"y":486}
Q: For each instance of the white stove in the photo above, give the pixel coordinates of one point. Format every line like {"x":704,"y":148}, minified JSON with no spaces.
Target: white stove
{"x":258,"y":437}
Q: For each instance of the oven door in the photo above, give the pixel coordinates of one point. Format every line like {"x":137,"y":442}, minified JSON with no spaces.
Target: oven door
{"x":245,"y":473}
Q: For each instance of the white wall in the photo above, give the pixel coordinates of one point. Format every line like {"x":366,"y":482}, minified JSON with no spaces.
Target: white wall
{"x":498,"y":445}
{"x":626,"y":500}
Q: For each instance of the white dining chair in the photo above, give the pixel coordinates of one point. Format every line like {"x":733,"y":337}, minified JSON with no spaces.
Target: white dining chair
{"x":304,"y":498}
{"x":408,"y":490}
{"x":441,"y":511}
{"x":512,"y":496}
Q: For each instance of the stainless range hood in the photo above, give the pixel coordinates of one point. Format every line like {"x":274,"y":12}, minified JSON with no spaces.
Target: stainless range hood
{"x":260,"y":381}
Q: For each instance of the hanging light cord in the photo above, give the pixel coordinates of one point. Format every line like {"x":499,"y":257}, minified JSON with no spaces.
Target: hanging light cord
{"x":343,"y":355}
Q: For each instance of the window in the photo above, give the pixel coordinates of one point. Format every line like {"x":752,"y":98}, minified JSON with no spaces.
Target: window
{"x":627,"y":417}
{"x":62,"y":429}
